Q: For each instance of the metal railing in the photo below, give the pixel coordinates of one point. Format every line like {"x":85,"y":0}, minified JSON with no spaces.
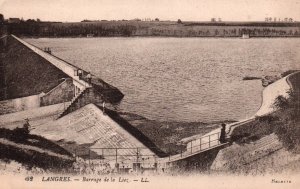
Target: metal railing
{"x":144,"y":157}
{"x":202,"y":144}
{"x":118,"y":155}
{"x":143,"y":154}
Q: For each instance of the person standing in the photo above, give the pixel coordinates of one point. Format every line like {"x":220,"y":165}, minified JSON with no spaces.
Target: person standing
{"x":89,"y":77}
{"x":223,"y":133}
{"x":26,"y":125}
{"x":103,"y":106}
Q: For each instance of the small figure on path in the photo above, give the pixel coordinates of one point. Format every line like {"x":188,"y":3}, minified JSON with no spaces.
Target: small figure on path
{"x":223,"y":133}
{"x":26,"y":125}
{"x":103,"y":106}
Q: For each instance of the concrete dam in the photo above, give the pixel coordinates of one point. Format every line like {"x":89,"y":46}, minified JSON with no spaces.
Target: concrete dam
{"x":64,"y":105}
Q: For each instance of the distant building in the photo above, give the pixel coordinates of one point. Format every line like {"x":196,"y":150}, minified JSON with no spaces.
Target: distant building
{"x":14,"y":20}
{"x":136,"y":19}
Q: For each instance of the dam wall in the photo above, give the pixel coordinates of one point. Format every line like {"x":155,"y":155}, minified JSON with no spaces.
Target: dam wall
{"x":65,"y":67}
{"x":27,"y":70}
{"x":80,"y":81}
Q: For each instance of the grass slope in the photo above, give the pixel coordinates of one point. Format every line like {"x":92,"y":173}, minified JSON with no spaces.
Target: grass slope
{"x":33,"y":151}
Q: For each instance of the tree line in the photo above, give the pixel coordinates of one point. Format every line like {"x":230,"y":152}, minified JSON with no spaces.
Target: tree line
{"x":126,"y":29}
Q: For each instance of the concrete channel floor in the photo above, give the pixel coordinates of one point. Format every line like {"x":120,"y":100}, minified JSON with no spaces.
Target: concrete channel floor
{"x":36,"y":116}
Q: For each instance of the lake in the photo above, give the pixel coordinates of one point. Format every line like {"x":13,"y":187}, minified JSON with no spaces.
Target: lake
{"x":182,"y":79}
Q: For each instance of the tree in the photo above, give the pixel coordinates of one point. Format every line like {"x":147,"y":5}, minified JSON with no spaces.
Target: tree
{"x":179,"y":21}
{"x":156,"y":19}
{"x":1,"y":18}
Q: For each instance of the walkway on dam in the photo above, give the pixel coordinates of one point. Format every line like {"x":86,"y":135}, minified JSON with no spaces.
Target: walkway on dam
{"x":67,"y":68}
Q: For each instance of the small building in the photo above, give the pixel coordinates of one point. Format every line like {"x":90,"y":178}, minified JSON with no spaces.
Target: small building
{"x":14,"y":20}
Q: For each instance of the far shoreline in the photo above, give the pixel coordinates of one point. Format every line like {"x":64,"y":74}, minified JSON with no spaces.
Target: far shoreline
{"x":155,"y":36}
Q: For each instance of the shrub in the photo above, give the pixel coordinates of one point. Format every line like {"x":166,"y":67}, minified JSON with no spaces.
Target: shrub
{"x":287,"y":127}
{"x":20,"y":134}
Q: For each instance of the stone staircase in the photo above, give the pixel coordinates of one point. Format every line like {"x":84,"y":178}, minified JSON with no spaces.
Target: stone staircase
{"x":73,"y":101}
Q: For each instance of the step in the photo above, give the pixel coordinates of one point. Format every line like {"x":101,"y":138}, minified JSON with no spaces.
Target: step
{"x":72,"y":102}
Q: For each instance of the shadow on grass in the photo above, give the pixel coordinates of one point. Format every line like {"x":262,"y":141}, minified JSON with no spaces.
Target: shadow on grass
{"x":30,"y":157}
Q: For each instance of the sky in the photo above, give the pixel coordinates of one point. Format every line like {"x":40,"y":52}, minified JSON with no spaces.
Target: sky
{"x":186,"y":10}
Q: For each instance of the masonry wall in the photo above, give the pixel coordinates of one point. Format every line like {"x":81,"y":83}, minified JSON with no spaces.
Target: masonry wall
{"x":64,"y":92}
{"x":19,"y":104}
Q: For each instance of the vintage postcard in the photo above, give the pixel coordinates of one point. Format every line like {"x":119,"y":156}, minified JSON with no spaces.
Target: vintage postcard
{"x":149,"y":93}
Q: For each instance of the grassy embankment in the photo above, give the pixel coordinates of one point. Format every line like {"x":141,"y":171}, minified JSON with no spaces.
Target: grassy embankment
{"x":33,"y":151}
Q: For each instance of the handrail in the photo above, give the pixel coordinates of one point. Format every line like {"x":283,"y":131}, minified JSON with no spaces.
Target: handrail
{"x":72,"y":101}
{"x":212,"y":143}
{"x":136,"y":151}
{"x":64,"y":80}
{"x":117,"y":153}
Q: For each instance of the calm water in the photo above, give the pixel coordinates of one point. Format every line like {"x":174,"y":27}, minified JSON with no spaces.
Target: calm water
{"x":183,"y":79}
